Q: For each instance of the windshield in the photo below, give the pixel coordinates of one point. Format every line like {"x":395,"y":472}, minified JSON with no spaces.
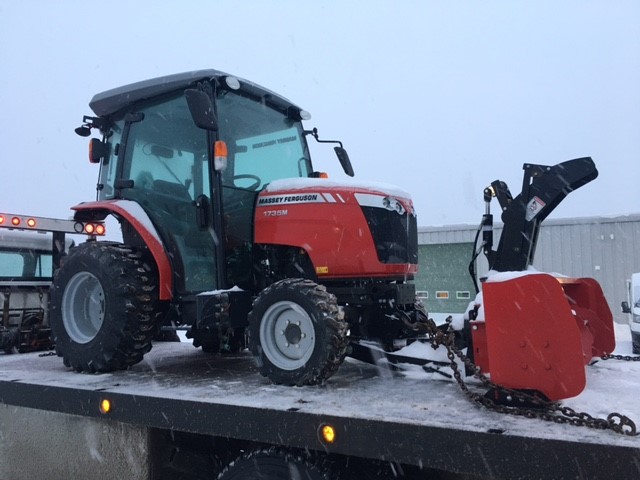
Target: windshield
{"x":25,"y":264}
{"x":264,"y":144}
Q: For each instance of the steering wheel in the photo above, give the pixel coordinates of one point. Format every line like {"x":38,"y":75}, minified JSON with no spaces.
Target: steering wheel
{"x":247,"y":176}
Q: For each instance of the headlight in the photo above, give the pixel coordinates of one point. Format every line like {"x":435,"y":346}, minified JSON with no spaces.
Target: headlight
{"x":393,"y":205}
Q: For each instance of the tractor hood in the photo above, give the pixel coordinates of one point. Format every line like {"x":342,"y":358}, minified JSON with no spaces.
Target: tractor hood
{"x":368,"y":230}
{"x":322,"y":190}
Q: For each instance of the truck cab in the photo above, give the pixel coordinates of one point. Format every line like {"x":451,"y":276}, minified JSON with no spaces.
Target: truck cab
{"x":632,"y":308}
{"x":26,"y":273}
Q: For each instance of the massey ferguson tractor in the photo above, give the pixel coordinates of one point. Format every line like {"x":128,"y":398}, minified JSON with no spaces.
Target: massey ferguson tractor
{"x":228,"y":229}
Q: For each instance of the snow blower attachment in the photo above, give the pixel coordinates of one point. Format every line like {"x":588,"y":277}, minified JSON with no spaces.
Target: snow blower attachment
{"x":535,"y":331}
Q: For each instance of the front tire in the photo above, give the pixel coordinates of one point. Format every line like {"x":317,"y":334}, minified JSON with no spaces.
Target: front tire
{"x":104,"y":307}
{"x":297,"y":332}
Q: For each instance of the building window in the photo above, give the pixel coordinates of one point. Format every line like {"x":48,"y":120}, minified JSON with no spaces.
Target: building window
{"x":442,"y":295}
{"x":422,"y":294}
{"x":463,"y":295}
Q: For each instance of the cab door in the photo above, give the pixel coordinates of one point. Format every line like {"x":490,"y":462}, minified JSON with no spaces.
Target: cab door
{"x":166,"y":161}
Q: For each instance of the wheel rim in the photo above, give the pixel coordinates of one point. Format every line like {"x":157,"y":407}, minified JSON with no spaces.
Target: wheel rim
{"x":287,"y":335}
{"x":83,"y":307}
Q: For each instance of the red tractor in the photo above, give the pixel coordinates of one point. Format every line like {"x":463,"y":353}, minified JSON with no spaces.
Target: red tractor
{"x":226,"y":225}
{"x":227,"y":229}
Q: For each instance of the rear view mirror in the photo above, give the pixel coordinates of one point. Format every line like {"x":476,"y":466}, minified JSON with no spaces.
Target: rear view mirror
{"x":201,"y":108}
{"x":625,"y":307}
{"x":97,"y":150}
{"x":343,"y":156}
{"x":340,"y":152}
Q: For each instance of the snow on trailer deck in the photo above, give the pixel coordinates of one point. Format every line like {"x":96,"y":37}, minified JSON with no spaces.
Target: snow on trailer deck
{"x":416,"y":419}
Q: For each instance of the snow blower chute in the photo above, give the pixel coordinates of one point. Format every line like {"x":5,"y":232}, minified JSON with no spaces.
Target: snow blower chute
{"x":535,"y":331}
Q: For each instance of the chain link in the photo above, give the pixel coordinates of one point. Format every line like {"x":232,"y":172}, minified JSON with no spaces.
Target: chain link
{"x":626,"y":358}
{"x":531,"y":405}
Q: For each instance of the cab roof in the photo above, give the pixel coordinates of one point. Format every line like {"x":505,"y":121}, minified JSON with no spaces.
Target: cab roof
{"x":112,"y":101}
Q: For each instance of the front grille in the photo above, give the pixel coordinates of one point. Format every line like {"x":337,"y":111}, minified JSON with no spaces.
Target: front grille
{"x":395,"y":236}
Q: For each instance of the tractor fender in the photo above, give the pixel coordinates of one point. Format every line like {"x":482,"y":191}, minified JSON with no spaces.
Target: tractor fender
{"x":139,"y":220}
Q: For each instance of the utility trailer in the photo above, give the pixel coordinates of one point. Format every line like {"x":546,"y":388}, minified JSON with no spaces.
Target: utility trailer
{"x":181,"y":413}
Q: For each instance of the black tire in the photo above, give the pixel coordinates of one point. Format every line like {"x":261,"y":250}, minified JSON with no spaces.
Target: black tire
{"x":297,"y":332}
{"x":104,"y":307}
{"x":635,"y":343}
{"x":9,"y":339}
{"x":272,"y":464}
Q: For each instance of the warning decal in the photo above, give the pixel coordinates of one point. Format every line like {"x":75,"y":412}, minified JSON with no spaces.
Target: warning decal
{"x":533,"y":208}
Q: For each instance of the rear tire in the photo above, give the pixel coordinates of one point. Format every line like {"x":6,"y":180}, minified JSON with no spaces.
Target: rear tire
{"x":635,"y":343}
{"x":297,"y":332}
{"x":273,"y":465}
{"x":104,"y":307}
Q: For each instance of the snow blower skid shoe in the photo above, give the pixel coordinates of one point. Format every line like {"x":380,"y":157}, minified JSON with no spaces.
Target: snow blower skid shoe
{"x":539,"y":332}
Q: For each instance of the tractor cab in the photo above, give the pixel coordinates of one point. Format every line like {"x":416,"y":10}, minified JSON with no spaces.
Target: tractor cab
{"x":193,"y":150}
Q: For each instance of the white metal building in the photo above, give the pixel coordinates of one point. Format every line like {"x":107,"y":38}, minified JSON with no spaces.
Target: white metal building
{"x":604,"y":248}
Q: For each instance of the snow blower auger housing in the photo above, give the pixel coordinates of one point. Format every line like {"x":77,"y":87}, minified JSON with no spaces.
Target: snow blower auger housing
{"x":534,"y":331}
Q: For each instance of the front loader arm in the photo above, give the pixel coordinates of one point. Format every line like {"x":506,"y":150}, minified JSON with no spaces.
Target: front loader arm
{"x":543,"y":188}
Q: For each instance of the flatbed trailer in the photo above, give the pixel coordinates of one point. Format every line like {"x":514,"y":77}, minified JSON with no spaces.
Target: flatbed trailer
{"x":209,"y":409}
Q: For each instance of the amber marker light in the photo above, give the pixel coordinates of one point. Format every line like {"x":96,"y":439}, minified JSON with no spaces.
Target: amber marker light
{"x":105,"y":406}
{"x":220,"y":149}
{"x":1,"y":219}
{"x":89,"y":228}
{"x":31,"y":222}
{"x":15,"y":221}
{"x":328,"y":433}
{"x":220,"y":154}
{"x":100,"y":230}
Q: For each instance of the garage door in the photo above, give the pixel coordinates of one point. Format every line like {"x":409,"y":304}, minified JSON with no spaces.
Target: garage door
{"x":443,"y":280}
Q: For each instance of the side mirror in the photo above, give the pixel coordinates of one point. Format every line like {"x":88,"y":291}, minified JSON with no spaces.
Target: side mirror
{"x":343,"y":156}
{"x":201,"y":108}
{"x":625,"y":307}
{"x":97,"y":150}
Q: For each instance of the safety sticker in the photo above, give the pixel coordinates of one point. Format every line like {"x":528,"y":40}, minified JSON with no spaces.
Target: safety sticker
{"x":533,"y":208}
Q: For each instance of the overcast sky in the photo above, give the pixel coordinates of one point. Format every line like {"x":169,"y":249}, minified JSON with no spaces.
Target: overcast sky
{"x":437,"y":97}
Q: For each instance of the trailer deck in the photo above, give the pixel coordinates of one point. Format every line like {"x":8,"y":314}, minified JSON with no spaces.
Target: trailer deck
{"x":408,"y":419}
